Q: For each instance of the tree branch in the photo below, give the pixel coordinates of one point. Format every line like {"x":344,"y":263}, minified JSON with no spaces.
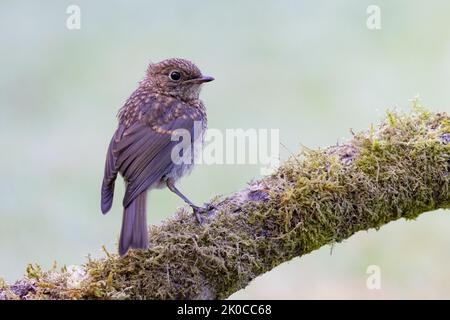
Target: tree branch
{"x":398,"y":170}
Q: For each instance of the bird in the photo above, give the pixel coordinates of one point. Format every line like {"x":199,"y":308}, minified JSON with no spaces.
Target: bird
{"x":166,"y":100}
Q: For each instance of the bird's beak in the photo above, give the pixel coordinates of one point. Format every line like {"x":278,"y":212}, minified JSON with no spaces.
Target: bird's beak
{"x":201,"y":79}
{"x":205,"y":79}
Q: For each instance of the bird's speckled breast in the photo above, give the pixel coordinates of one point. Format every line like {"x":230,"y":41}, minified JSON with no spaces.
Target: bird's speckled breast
{"x":179,"y":170}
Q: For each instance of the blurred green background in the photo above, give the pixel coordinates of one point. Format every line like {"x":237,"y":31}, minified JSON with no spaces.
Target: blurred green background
{"x":310,"y":68}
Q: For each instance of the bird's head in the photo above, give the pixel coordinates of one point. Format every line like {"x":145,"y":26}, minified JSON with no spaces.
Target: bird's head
{"x":179,"y":78}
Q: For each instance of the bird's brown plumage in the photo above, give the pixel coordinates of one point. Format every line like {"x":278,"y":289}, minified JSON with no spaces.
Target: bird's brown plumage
{"x":140,"y":149}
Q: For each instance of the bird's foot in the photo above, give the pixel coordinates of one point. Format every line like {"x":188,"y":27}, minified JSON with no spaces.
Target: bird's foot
{"x":200,"y":212}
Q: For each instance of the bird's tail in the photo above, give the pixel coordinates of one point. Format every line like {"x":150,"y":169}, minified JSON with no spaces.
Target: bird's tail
{"x":134,"y":233}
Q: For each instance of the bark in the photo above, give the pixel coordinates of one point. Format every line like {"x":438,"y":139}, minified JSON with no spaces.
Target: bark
{"x":399,"y":169}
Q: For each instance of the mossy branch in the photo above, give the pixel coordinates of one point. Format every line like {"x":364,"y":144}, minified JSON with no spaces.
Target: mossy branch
{"x":399,"y":169}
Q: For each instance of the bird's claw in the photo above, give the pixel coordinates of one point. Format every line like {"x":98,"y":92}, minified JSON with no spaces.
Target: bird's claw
{"x":199,"y":212}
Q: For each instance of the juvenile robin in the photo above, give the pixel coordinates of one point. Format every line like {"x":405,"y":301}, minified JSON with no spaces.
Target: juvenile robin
{"x":140,"y":150}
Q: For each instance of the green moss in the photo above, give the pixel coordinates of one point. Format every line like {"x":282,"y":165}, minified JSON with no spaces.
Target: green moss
{"x":396,"y":170}
{"x":390,"y":118}
{"x":6,"y":292}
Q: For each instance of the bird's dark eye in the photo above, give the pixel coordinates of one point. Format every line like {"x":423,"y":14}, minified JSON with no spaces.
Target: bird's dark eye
{"x":175,"y":76}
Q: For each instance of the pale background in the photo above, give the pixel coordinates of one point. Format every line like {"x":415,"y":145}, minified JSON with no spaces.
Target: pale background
{"x":310,"y":68}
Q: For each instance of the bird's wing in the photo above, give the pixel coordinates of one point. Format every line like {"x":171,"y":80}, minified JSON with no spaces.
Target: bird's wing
{"x":110,"y":174}
{"x":143,"y":154}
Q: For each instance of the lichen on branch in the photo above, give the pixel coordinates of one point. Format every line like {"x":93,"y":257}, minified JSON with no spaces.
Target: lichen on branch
{"x":398,"y":169}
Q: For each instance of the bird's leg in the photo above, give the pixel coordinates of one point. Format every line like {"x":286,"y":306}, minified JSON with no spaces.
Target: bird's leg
{"x":197,"y":210}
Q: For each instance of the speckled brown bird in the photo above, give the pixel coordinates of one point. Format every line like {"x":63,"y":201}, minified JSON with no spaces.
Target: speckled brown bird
{"x":140,"y":150}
